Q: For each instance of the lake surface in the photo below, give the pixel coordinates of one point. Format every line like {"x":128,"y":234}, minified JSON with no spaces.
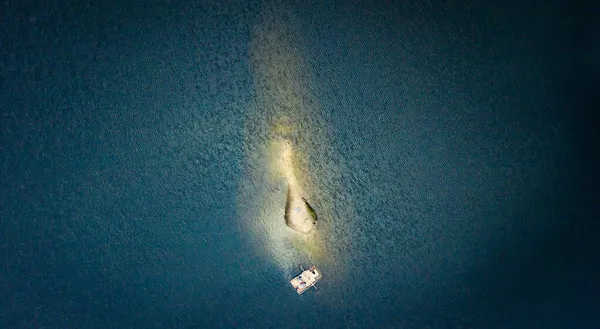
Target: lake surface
{"x":439,"y":143}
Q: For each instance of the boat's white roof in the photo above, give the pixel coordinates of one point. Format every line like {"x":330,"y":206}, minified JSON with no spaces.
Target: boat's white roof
{"x":306,"y":279}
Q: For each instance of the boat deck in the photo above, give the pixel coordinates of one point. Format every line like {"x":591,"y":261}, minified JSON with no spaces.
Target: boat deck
{"x":306,"y":279}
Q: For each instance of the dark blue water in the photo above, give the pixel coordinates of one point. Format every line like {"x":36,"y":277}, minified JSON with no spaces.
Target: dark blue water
{"x":446,"y":147}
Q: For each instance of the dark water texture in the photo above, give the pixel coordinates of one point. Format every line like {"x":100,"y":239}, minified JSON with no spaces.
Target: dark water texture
{"x":456,"y":135}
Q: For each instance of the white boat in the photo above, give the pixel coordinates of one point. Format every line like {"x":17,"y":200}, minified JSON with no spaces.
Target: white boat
{"x":306,"y":279}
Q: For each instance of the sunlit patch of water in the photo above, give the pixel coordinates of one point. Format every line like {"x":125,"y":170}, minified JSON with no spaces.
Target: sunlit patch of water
{"x":287,"y":141}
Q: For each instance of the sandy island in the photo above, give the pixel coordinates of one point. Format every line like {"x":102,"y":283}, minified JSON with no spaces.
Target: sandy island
{"x":299,"y":215}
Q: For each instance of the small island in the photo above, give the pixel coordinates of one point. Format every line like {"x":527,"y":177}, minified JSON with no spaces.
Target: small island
{"x":299,"y":215}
